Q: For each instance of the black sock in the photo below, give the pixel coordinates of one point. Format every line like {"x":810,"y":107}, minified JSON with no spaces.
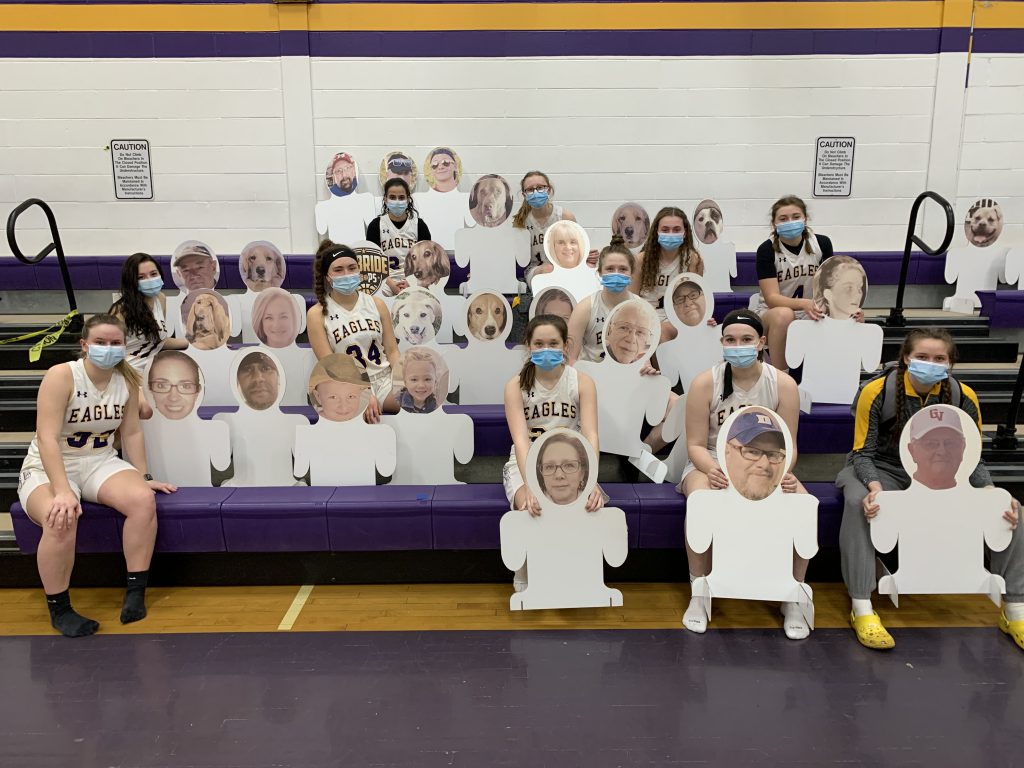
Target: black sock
{"x":134,"y":607}
{"x":65,"y":620}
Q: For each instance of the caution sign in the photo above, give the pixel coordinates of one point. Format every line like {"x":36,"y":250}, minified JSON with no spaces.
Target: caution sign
{"x":833,"y":166}
{"x":133,"y":174}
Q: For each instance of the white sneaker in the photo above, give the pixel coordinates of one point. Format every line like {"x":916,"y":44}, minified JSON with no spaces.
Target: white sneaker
{"x":793,"y":622}
{"x":695,"y":619}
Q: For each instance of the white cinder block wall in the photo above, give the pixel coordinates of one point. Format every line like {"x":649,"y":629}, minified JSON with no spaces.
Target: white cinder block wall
{"x":659,"y":131}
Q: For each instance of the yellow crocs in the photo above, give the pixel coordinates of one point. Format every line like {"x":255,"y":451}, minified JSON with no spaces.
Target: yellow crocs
{"x":871,"y":633}
{"x":1014,"y":629}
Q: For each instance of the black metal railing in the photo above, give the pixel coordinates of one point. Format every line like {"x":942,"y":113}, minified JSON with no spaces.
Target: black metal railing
{"x":896,"y":318}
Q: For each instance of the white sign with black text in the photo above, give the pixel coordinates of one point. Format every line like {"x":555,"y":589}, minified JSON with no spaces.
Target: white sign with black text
{"x":133,"y":174}
{"x":833,"y":166}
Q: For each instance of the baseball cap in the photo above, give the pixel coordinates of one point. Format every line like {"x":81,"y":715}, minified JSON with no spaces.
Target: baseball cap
{"x":744,"y":317}
{"x":934,"y":417}
{"x":191,"y":248}
{"x":751,"y":424}
{"x":338,"y":367}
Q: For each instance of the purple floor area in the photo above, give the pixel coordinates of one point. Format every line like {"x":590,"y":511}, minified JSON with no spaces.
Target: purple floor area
{"x":944,"y":697}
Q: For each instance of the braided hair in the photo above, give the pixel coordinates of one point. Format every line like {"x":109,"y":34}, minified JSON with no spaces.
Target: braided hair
{"x":689,"y":257}
{"x":528,"y":374}
{"x":945,"y":389}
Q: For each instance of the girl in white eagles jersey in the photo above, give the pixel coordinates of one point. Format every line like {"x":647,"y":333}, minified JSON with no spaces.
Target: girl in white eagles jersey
{"x":80,"y":406}
{"x":536,"y":214}
{"x":396,"y":230}
{"x":742,"y":379}
{"x":615,"y":266}
{"x":345,"y":319}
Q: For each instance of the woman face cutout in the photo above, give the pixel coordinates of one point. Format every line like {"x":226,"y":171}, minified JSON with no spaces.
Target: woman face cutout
{"x":561,"y":472}
{"x":278,"y":322}
{"x":557,"y":303}
{"x":174,"y":387}
{"x":339,"y":401}
{"x":846,"y":295}
{"x":566,"y":248}
{"x":627,"y":335}
{"x":420,"y":380}
{"x":689,"y":304}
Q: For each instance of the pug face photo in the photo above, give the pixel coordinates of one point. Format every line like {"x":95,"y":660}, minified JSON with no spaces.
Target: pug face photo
{"x":984,"y":223}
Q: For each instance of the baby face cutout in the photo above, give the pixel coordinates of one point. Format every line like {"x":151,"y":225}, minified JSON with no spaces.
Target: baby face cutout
{"x":490,"y":201}
{"x":488,"y":316}
{"x":398,"y":165}
{"x":566,"y":244}
{"x":424,"y":380}
{"x":631,"y":332}
{"x":553,"y":301}
{"x":262,"y":266}
{"x":940,"y":446}
{"x":373,"y":266}
{"x":174,"y":385}
{"x":562,"y":468}
{"x":691,"y":304}
{"x":631,"y":222}
{"x":416,"y":315}
{"x":984,"y":223}
{"x":258,"y":380}
{"x":342,"y":175}
{"x":840,"y":287}
{"x":442,"y":169}
{"x":194,"y":266}
{"x":708,"y":222}
{"x":207,"y":319}
{"x":338,"y":388}
{"x":275,"y":318}
{"x":755,"y":450}
{"x":427,"y":264}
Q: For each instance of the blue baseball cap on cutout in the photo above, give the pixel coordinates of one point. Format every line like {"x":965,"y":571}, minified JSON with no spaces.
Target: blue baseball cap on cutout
{"x":751,"y":424}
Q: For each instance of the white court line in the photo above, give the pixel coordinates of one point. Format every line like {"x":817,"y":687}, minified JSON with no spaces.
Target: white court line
{"x":296,"y":608}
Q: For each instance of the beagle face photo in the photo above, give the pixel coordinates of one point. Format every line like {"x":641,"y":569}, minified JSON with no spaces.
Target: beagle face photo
{"x":262,"y":266}
{"x":490,"y":202}
{"x":416,"y":315}
{"x":207,"y":322}
{"x":984,"y":223}
{"x":486,"y":316}
{"x":631,"y":222}
{"x":427,"y":264}
{"x":708,"y":222}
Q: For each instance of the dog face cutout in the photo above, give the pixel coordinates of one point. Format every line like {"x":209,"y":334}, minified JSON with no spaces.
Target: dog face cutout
{"x":373,"y":266}
{"x":562,"y":468}
{"x":275,"y":318}
{"x":257,"y":379}
{"x":261,"y":266}
{"x":398,"y":165}
{"x":940,"y":446}
{"x":692,"y":305}
{"x":984,"y":223}
{"x":490,"y":201}
{"x":206,"y":319}
{"x":342,"y":175}
{"x":442,"y":169}
{"x":194,"y":266}
{"x":427,"y":264}
{"x":566,"y":244}
{"x":173,"y":384}
{"x":488,"y":317}
{"x":708,"y":222}
{"x":755,"y":450}
{"x":840,"y":287}
{"x":424,"y":378}
{"x":416,"y":315}
{"x":553,"y":301}
{"x":631,"y":222}
{"x":339,"y":389}
{"x":631,"y":332}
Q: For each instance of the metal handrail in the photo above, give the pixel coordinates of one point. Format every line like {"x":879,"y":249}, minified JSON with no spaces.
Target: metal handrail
{"x":55,"y":245}
{"x":896,"y":318}
{"x":1006,"y":434}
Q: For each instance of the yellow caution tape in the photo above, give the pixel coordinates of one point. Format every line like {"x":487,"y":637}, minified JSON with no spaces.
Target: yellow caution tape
{"x":53,"y":333}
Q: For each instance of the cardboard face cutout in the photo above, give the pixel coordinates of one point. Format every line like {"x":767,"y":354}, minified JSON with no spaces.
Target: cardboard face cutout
{"x":708,"y":222}
{"x":566,"y":244}
{"x":174,"y":385}
{"x":442,"y":169}
{"x":490,"y":201}
{"x":275,"y":318}
{"x":424,"y":380}
{"x":373,"y":266}
{"x":562,"y":468}
{"x":984,"y":223}
{"x":631,"y":222}
{"x":691,"y":305}
{"x":398,"y":165}
{"x":206,"y":319}
{"x":940,"y":447}
{"x":262,"y":266}
{"x":631,"y":332}
{"x":342,"y":175}
{"x":840,"y":287}
{"x":258,"y":380}
{"x":338,"y":388}
{"x":427,"y":264}
{"x":488,"y":316}
{"x":194,"y":266}
{"x":755,"y":449}
{"x":416,"y":315}
{"x":553,"y":301}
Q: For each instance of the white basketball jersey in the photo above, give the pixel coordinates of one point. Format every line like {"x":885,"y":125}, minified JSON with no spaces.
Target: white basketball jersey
{"x":357,"y":332}
{"x":90,"y":418}
{"x":537,"y":229}
{"x":796,"y":272}
{"x":765,"y":393}
{"x":558,"y":406}
{"x":656,"y":296}
{"x":396,"y":241}
{"x":592,"y":347}
{"x":141,"y":348}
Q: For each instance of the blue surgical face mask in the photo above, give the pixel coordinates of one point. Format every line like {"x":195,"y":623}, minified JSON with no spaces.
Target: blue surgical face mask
{"x":616,"y":282}
{"x":741,"y":357}
{"x":791,"y":229}
{"x":151,"y":286}
{"x":347,"y":284}
{"x":927,"y":373}
{"x":670,"y":241}
{"x":397,"y":207}
{"x":537,"y":199}
{"x":547,"y":359}
{"x":106,"y":357}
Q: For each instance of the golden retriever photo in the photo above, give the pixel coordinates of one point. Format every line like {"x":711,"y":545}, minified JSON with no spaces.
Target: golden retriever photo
{"x":631,"y":222}
{"x":416,"y":315}
{"x":427,"y":264}
{"x":490,"y":202}
{"x":486,"y":316}
{"x":984,"y":223}
{"x":261,"y":265}
{"x":708,"y":221}
{"x":207,"y":322}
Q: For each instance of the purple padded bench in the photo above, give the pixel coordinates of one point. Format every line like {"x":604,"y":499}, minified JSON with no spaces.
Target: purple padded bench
{"x":98,"y":529}
{"x":379,"y":518}
{"x":1004,"y":309}
{"x":881,"y":267}
{"x":285,"y":519}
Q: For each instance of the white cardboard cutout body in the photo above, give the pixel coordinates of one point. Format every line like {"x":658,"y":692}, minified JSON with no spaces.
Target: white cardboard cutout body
{"x":833,"y":353}
{"x":344,"y":219}
{"x":565,"y":546}
{"x":625,"y":398}
{"x":344,"y":452}
{"x":1014,"y":269}
{"x":298,"y":362}
{"x":941,"y":532}
{"x":675,"y":429}
{"x":696,"y":347}
{"x":485,"y":365}
{"x":973,"y":269}
{"x":719,"y":265}
{"x":428,"y":445}
{"x":579,"y":280}
{"x":445,"y":213}
{"x":216,"y":366}
{"x":261,"y":440}
{"x":492,"y":253}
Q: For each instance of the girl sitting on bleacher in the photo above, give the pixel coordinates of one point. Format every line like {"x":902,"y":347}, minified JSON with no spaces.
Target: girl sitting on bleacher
{"x":883,"y":407}
{"x":80,"y":406}
{"x":615,"y":267}
{"x":397,"y":229}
